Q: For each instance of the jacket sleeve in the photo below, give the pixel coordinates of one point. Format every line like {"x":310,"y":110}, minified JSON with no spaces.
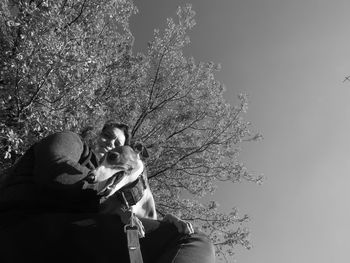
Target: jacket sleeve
{"x":57,"y":166}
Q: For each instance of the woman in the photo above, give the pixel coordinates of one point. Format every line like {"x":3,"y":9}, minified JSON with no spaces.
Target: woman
{"x":48,"y":216}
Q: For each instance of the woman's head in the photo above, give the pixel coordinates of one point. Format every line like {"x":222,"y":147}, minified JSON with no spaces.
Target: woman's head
{"x":112,"y":134}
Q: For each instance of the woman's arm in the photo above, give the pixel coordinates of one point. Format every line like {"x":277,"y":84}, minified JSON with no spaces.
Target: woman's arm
{"x":57,"y":169}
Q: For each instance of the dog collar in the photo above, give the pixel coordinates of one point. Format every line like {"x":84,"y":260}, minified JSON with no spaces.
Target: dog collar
{"x":133,"y":192}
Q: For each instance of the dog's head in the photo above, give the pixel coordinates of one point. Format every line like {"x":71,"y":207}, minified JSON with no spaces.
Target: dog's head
{"x":120,"y":167}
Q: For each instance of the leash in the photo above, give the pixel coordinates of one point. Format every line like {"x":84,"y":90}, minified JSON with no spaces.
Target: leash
{"x":133,"y":231}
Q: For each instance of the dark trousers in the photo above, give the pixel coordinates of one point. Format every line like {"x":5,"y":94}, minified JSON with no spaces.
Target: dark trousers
{"x":63,"y":237}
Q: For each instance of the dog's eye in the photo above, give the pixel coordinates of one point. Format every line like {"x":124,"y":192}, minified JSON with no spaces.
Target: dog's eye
{"x":112,"y":156}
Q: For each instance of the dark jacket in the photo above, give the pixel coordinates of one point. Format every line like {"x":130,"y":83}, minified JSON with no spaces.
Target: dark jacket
{"x":52,"y":174}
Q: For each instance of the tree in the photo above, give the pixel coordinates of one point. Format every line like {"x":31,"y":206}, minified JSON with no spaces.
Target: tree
{"x":70,"y":65}
{"x":55,"y":55}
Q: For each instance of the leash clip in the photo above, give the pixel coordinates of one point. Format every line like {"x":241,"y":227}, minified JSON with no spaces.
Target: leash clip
{"x":134,"y":222}
{"x":127,"y":206}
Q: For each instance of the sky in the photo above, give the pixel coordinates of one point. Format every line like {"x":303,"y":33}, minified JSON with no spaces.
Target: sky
{"x":291,"y":58}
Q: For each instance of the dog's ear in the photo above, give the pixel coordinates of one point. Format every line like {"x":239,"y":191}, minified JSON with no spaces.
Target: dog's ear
{"x":141,"y":149}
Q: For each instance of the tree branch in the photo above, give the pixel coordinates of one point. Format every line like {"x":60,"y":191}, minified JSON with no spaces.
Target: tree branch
{"x":78,"y":16}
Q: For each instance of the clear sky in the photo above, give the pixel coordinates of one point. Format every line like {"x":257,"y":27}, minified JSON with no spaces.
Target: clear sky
{"x":291,"y":57}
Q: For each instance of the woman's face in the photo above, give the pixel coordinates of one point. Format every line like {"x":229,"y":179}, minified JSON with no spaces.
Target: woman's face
{"x":110,"y":138}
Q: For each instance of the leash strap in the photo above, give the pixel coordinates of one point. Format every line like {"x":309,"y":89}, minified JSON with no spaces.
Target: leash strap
{"x":133,"y":244}
{"x":132,"y":236}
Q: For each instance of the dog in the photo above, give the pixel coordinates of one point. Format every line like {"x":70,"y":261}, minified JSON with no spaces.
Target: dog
{"x":122,"y":173}
{"x":120,"y":170}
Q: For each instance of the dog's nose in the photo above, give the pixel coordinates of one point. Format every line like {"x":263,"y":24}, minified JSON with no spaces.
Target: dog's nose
{"x":91,"y":177}
{"x":112,"y":156}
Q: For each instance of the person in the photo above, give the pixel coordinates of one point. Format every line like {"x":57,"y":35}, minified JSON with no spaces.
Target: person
{"x":112,"y":134}
{"x":46,"y":215}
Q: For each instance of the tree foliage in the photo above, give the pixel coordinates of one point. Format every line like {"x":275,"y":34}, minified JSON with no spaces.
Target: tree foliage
{"x":69,"y":64}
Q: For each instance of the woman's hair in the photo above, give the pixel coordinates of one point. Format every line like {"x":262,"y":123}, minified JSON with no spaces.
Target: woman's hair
{"x":120,"y":126}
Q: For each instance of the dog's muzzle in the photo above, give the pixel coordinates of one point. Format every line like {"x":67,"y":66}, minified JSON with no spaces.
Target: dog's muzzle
{"x":111,"y":184}
{"x":129,"y":194}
